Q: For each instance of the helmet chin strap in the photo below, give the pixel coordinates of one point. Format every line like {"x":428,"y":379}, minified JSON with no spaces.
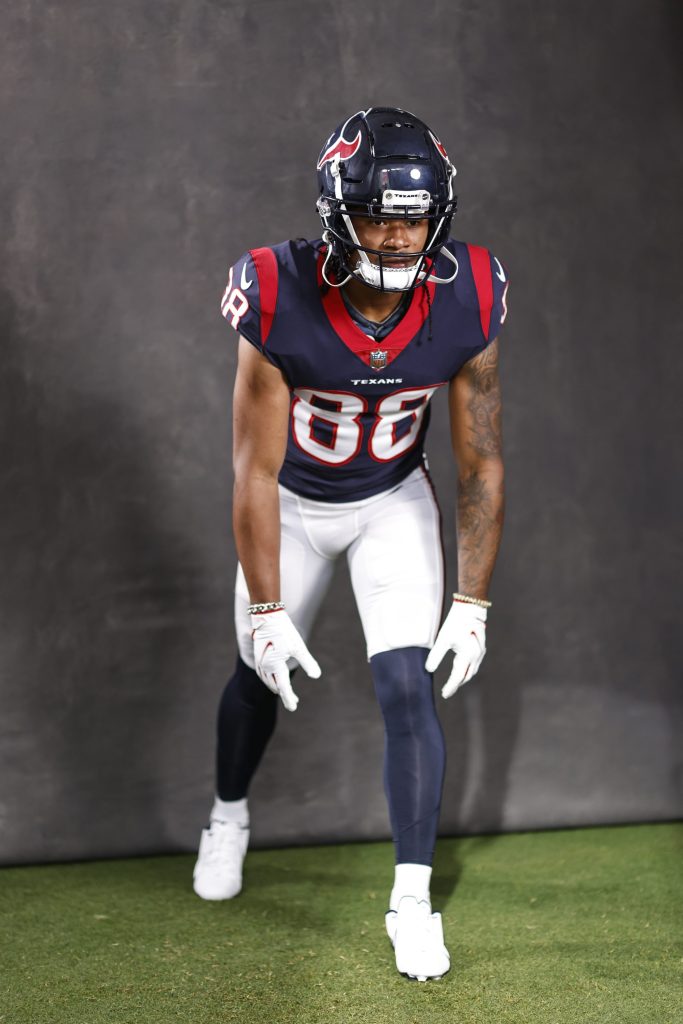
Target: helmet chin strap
{"x":444,"y":280}
{"x":327,"y":238}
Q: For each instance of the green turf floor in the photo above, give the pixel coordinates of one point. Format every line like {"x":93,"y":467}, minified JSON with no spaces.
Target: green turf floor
{"x":555,"y":927}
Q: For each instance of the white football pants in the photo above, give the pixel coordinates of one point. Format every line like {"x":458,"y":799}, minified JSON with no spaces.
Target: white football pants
{"x":392,"y":542}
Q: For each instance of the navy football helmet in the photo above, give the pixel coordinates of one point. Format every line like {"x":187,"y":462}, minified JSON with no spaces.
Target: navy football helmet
{"x":382,"y":163}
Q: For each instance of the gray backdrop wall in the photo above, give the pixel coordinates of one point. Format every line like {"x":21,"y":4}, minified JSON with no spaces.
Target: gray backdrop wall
{"x":145,"y":146}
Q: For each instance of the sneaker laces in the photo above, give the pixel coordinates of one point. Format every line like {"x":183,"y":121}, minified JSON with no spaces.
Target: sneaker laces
{"x":225,"y":837}
{"x":419,"y":916}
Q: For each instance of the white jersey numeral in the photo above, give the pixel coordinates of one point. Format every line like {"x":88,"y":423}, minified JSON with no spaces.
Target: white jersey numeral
{"x":234,"y":302}
{"x":326,"y":424}
{"x":399,"y":418}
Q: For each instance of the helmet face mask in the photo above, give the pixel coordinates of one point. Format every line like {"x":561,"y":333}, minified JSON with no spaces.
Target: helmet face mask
{"x":383,"y":164}
{"x":380,"y":268}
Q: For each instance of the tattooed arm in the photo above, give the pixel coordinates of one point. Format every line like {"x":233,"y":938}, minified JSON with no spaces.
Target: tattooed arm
{"x":475,"y":412}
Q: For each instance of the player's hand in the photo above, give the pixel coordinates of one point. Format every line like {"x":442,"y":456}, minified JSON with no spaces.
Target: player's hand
{"x":463,"y":632}
{"x":276,"y":639}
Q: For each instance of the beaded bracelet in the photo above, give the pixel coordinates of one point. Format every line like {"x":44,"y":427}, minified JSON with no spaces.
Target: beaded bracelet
{"x":269,"y":606}
{"x":472,"y":600}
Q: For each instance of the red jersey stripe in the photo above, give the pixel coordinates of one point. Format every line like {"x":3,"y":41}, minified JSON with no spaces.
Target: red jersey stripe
{"x":266,"y":270}
{"x":483,"y":280}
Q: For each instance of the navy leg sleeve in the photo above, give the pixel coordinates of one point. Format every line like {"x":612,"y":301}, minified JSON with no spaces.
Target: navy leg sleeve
{"x":415,"y":752}
{"x":246,"y":719}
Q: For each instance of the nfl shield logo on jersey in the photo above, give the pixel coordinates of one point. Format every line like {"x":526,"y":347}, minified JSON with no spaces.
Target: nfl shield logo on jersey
{"x":378,"y":359}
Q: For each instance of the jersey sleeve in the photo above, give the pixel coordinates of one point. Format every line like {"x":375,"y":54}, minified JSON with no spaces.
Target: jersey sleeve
{"x":481,"y":286}
{"x":250,"y":297}
{"x":491,"y":285}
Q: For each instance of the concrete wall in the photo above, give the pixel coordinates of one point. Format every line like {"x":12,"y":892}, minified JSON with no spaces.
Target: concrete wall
{"x":145,"y":147}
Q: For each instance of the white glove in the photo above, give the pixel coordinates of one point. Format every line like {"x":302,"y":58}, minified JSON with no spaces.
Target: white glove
{"x":275,"y":640}
{"x":464,"y":632}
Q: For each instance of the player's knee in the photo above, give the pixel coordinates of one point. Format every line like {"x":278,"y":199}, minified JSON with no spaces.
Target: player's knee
{"x":403,"y":688}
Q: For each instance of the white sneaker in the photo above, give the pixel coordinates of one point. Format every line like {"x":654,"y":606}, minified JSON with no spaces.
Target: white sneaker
{"x":417,"y":937}
{"x":218,"y":872}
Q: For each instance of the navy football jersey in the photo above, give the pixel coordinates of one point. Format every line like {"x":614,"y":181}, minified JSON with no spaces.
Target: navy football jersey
{"x":359,"y":407}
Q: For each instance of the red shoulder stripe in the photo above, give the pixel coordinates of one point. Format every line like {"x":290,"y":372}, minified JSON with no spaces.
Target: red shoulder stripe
{"x":266,"y":270}
{"x":483,"y":280}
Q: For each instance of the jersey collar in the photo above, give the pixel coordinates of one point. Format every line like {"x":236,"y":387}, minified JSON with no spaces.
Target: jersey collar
{"x":355,"y":339}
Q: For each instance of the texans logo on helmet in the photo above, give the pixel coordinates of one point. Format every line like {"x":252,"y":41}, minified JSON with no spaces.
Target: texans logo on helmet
{"x":342,"y":146}
{"x":439,"y":146}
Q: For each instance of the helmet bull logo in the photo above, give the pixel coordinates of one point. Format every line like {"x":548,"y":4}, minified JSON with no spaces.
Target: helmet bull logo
{"x":378,"y":359}
{"x":439,"y":146}
{"x":344,"y":149}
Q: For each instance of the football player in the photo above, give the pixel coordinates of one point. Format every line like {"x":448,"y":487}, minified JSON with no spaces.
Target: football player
{"x":343,"y":341}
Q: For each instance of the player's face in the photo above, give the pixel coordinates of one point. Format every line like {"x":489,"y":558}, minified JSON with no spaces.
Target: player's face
{"x":395,"y":236}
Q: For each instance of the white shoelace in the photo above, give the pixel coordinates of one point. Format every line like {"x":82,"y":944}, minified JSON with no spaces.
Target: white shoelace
{"x":224,"y":837}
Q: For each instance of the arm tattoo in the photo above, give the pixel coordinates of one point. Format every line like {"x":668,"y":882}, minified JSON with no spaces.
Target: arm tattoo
{"x":481,"y":510}
{"x":481,"y":492}
{"x":485,"y":403}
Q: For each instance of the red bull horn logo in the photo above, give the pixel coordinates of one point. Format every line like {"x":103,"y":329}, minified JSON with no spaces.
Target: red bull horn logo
{"x":342,"y":147}
{"x":439,"y":146}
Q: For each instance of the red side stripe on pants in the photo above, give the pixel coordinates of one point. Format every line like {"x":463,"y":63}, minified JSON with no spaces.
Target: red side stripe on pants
{"x":483,"y":280}
{"x":266,"y":270}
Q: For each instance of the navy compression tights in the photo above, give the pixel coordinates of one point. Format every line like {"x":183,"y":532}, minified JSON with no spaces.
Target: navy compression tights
{"x":414,"y":757}
{"x":414,"y":752}
{"x":246,"y":719}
